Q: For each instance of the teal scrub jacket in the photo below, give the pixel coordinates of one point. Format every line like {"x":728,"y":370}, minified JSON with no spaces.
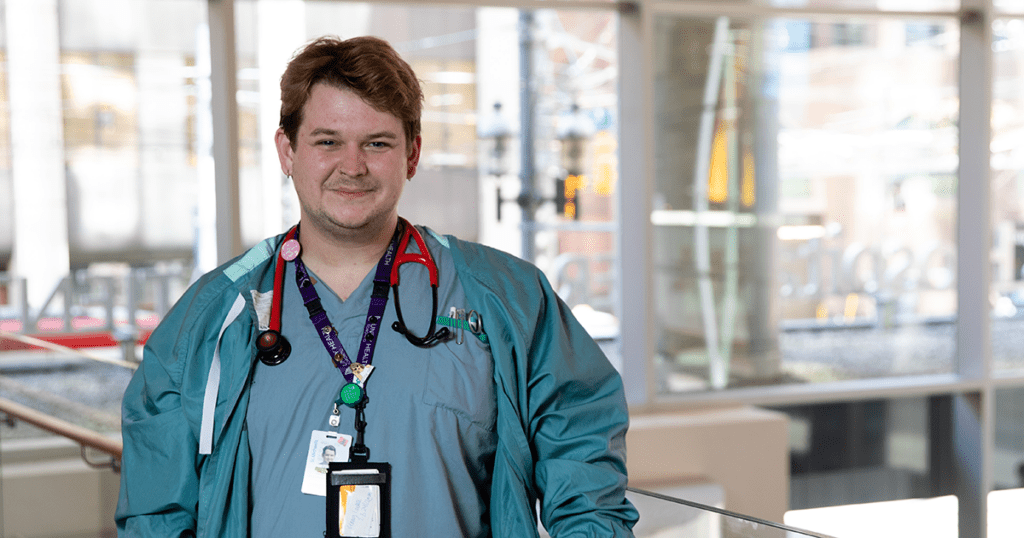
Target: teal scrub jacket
{"x":562,"y":416}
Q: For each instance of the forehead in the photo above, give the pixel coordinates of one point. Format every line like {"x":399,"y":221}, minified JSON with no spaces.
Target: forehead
{"x":336,"y":108}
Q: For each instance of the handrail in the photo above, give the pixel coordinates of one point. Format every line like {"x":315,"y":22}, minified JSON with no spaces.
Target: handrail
{"x":65,"y":349}
{"x":79,"y":434}
{"x":727,"y":513}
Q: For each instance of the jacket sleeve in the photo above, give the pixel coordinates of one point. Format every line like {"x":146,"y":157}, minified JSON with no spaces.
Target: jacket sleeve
{"x":159,"y":479}
{"x":562,"y":414}
{"x":578,"y":418}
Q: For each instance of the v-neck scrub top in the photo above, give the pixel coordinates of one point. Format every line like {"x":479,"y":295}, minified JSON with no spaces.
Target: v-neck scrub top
{"x":431,"y":412}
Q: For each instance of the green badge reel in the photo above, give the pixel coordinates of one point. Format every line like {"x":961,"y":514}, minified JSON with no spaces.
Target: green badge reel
{"x":351,"y":395}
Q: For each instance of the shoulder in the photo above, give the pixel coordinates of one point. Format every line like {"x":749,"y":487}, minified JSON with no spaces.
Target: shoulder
{"x":487,"y":265}
{"x":251,"y":270}
{"x":210,"y":298}
{"x":500,"y":286}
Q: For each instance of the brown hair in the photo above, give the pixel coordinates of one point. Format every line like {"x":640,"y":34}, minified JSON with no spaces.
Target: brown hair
{"x":366,"y":65}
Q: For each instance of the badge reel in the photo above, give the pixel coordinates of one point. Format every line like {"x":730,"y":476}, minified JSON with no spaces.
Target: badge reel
{"x":358,"y":492}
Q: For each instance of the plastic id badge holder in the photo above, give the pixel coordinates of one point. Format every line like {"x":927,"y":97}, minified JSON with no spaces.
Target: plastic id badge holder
{"x":359,"y":500}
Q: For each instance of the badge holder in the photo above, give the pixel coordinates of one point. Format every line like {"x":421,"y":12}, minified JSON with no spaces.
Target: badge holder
{"x":359,"y":500}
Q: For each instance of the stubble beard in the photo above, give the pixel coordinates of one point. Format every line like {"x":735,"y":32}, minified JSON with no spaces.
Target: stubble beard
{"x":332,"y":226}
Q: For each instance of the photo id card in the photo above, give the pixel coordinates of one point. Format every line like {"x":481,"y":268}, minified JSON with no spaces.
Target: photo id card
{"x":359,"y":500}
{"x":324,"y":448}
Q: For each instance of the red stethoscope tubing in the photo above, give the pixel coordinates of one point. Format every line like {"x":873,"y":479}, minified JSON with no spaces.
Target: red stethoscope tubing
{"x":423,"y":256}
{"x":275,"y":308}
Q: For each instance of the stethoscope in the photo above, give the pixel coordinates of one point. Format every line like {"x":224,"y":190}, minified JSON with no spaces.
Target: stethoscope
{"x":272,"y":348}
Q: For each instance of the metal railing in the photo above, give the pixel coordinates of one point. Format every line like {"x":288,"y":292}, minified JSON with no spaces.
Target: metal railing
{"x":85,"y":437}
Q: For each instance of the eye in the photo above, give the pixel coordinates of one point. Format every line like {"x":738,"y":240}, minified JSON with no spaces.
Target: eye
{"x":325,"y":142}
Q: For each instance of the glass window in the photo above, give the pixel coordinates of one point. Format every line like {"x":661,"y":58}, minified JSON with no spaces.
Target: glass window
{"x":846,"y":453}
{"x":122,"y":122}
{"x":1007,"y":194}
{"x":817,"y":242}
{"x":1008,"y":6}
{"x":885,"y":5}
{"x":128,"y":79}
{"x":6,"y":179}
{"x":1008,"y":461}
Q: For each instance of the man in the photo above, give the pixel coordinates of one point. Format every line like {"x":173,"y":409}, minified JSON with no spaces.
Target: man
{"x":509,"y":404}
{"x":327,"y":454}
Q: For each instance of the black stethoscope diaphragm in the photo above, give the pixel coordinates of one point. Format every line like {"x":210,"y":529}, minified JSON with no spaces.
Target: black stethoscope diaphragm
{"x":272,"y":348}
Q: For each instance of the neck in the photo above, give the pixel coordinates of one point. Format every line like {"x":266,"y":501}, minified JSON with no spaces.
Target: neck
{"x":342,"y":260}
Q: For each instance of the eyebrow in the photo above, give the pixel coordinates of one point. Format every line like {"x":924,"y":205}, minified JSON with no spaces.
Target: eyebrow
{"x":319,"y":131}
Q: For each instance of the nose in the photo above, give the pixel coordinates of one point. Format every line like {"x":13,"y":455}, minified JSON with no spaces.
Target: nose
{"x":353,"y":162}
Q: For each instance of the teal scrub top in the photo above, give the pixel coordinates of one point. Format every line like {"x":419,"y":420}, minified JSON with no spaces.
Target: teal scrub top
{"x":432,"y":412}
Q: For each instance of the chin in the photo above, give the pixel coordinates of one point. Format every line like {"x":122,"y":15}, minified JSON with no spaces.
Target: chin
{"x":364,"y":222}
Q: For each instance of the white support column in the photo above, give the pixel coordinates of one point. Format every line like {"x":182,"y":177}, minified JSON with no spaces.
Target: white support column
{"x":973,"y":413}
{"x":636,"y":158}
{"x":281,"y":25}
{"x":40,"y":251}
{"x":224,"y":102}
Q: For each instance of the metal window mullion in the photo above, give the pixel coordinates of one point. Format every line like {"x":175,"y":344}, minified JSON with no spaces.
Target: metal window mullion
{"x":636,"y":158}
{"x":973,"y":428}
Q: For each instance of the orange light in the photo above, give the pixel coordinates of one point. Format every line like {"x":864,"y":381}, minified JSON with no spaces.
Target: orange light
{"x":850,"y":309}
{"x":605,"y":179}
{"x":718,"y":174}
{"x":748,"y":184}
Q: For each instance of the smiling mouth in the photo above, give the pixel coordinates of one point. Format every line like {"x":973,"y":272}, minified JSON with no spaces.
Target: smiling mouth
{"x":348,"y":193}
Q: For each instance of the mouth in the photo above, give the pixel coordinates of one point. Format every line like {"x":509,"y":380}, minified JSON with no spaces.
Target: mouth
{"x":349,"y":192}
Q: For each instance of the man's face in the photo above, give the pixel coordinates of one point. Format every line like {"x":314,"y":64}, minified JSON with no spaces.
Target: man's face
{"x":349,"y":162}
{"x":329,"y":455}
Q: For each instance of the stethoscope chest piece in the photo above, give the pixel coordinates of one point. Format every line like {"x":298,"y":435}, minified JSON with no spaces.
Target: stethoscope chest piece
{"x":272,"y":348}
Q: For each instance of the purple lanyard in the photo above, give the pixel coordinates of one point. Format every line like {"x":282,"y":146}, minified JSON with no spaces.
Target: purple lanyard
{"x":374,"y":315}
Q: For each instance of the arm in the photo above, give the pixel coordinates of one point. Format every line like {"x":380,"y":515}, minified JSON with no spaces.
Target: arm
{"x":562,"y":414}
{"x":159,"y":479}
{"x":577,"y":426}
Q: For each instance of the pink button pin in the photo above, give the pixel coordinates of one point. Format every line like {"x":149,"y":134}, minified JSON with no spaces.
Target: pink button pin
{"x":290,"y":249}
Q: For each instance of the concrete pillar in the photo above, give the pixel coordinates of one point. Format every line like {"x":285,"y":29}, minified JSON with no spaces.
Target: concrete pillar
{"x":40,"y":251}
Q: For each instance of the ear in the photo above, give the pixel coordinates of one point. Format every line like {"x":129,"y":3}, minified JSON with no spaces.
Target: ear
{"x":284,"y":151}
{"x":414,"y":157}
